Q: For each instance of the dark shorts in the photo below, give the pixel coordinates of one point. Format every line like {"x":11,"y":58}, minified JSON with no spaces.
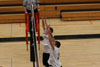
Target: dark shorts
{"x":45,"y":59}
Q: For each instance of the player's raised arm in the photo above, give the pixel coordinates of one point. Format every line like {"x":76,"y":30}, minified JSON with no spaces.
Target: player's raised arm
{"x":51,"y":39}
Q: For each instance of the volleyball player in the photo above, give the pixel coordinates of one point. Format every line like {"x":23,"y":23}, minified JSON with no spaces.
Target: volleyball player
{"x":46,"y":44}
{"x":54,"y":50}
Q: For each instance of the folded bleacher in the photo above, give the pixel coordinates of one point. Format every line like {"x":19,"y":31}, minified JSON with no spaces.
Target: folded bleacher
{"x":13,"y":11}
{"x":71,"y":9}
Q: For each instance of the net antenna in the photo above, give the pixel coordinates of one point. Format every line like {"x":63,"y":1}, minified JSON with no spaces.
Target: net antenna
{"x":35,"y":45}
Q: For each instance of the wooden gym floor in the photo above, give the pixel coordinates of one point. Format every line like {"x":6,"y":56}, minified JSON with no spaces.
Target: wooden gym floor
{"x":74,"y":52}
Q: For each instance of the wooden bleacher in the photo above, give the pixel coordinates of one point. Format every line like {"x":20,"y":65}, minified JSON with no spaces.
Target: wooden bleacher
{"x":60,"y":8}
{"x":10,"y":2}
{"x":56,"y":9}
{"x":50,"y":14}
{"x":63,"y":7}
{"x":49,"y":11}
{"x":79,"y":6}
{"x":84,"y":15}
{"x":67,"y":1}
{"x":69,"y":7}
{"x":11,"y":11}
{"x":12,"y":18}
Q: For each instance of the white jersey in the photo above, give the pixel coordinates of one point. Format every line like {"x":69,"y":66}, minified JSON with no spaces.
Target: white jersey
{"x":54,"y":57}
{"x":46,"y":43}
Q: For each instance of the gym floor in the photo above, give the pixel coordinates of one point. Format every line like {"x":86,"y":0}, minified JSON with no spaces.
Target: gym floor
{"x":74,"y":52}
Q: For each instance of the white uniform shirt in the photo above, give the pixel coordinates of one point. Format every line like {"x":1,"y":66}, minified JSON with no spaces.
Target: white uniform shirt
{"x":46,"y":43}
{"x":54,"y":57}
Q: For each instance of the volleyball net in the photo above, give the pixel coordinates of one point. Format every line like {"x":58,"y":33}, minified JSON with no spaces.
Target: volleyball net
{"x":35,"y":37}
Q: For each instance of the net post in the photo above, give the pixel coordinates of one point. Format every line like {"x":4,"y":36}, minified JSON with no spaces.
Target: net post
{"x":35,"y":39}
